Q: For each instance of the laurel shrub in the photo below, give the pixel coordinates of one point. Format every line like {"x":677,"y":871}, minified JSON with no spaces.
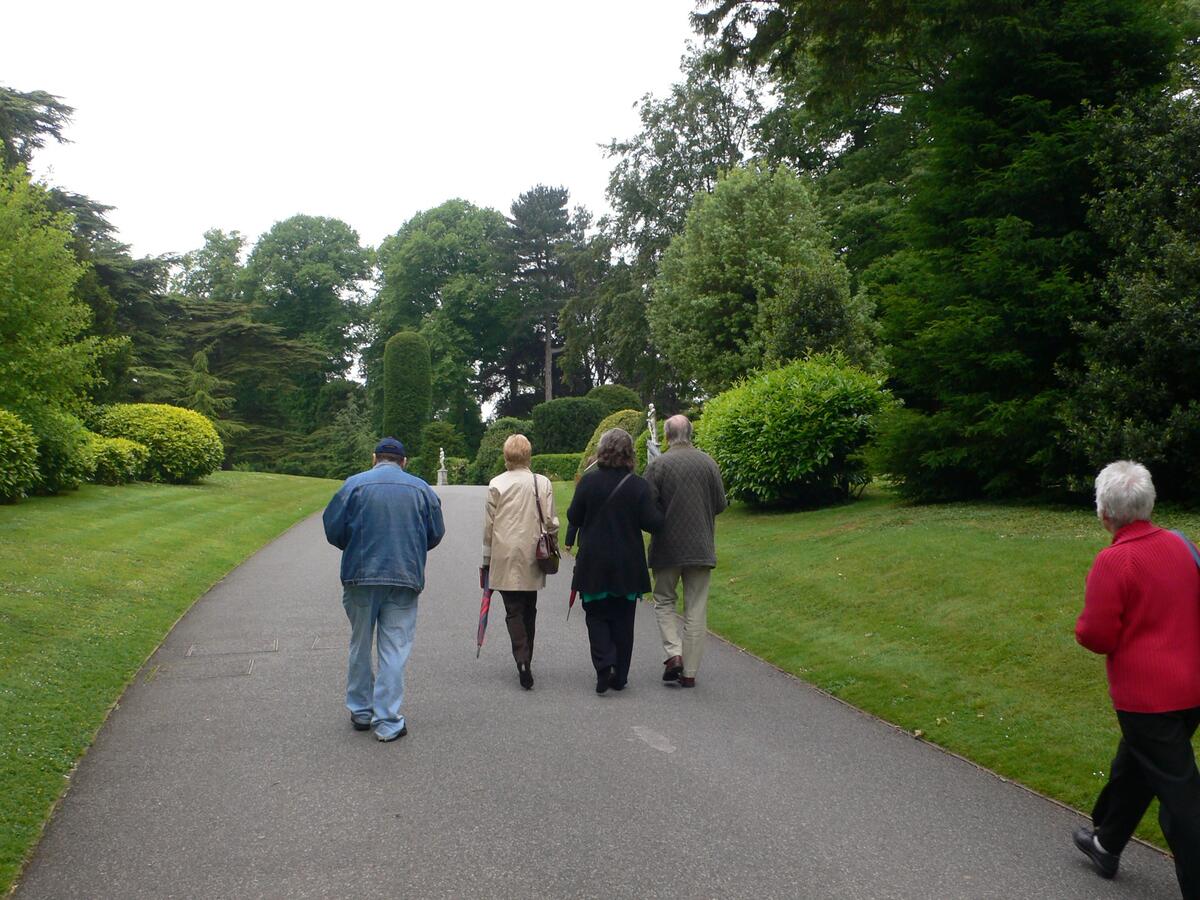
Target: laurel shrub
{"x":116,"y":460}
{"x":18,"y":457}
{"x":795,"y":436}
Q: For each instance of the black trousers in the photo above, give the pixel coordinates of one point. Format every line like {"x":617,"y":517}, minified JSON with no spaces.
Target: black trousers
{"x":610,"y":632}
{"x":1155,"y":759}
{"x":520,"y":615}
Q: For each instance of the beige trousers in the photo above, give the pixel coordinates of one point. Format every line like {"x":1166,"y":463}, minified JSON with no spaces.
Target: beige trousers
{"x":695,"y":612}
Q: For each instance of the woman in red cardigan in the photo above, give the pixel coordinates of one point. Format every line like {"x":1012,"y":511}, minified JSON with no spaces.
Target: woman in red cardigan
{"x":1141,"y":610}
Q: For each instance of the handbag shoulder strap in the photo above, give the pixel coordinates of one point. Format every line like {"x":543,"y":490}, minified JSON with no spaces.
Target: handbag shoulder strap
{"x":538,"y":500}
{"x":613,"y":492}
{"x":1191,"y":547}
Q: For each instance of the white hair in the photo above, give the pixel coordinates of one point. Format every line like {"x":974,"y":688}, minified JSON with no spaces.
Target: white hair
{"x":1124,"y":493}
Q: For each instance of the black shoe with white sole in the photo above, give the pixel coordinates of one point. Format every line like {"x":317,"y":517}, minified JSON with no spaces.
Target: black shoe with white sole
{"x":1106,"y":863}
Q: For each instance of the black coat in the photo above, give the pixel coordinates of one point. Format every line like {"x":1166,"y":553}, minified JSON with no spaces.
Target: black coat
{"x":612,"y":555}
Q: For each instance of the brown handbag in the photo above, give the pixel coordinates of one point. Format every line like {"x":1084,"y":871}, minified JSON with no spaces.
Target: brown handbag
{"x":547,"y":554}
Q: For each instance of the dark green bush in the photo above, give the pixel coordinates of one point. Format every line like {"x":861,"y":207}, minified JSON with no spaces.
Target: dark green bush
{"x":557,"y":466}
{"x":116,"y":460}
{"x":442,"y":436}
{"x":18,"y":457}
{"x":63,"y":461}
{"x":489,"y":461}
{"x":795,"y":435}
{"x":458,"y":469}
{"x":564,"y":425}
{"x":407,"y":389}
{"x":184,"y":446}
{"x":615,"y":397}
{"x":632,"y":420}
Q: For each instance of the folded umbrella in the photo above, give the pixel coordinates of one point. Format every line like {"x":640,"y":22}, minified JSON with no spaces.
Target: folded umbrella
{"x":570,"y":603}
{"x":485,"y":606}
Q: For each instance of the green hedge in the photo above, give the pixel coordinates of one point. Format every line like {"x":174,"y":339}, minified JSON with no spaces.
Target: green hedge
{"x":489,"y":460}
{"x":632,"y":420}
{"x":116,"y":460}
{"x":615,"y":397}
{"x":795,"y":435}
{"x":564,"y":425}
{"x":63,"y":462}
{"x":184,"y":446}
{"x":557,"y":466}
{"x":407,"y":389}
{"x":18,"y":457}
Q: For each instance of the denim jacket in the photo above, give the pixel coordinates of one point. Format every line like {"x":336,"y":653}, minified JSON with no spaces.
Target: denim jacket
{"x":384,"y":521}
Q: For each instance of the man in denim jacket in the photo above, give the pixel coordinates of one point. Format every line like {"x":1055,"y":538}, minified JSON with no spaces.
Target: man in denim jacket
{"x":384,"y":521}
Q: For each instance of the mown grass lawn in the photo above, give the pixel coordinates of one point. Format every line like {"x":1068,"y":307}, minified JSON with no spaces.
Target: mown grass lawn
{"x":955,"y":620}
{"x":90,"y":583}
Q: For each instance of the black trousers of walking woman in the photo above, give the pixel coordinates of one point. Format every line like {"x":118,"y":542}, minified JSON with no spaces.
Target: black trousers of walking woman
{"x":1155,"y":759}
{"x":610,"y":632}
{"x":520,"y":614}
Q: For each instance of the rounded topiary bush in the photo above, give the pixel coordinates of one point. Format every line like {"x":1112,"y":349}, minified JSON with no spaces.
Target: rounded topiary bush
{"x":116,"y":460}
{"x":489,"y":460}
{"x":18,"y":457}
{"x":183,"y":445}
{"x":564,"y":425}
{"x":795,"y":435}
{"x":632,"y":420}
{"x":615,"y":397}
{"x":63,"y":460}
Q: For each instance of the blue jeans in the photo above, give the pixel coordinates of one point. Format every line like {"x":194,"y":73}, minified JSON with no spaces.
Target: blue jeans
{"x":390,"y":613}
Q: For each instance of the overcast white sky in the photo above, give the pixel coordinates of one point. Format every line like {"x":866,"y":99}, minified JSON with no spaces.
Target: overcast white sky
{"x":193,"y":115}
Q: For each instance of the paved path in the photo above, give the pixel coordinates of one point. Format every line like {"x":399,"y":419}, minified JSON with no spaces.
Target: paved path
{"x":230,"y":770}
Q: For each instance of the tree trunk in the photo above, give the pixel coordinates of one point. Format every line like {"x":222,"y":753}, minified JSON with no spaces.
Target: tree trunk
{"x":549,"y":358}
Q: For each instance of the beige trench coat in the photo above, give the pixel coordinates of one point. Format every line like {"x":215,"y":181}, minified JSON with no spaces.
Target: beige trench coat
{"x":510,"y":529}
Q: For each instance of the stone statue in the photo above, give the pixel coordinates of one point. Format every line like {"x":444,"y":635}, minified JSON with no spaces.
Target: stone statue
{"x":652,"y":449}
{"x":443,"y":475}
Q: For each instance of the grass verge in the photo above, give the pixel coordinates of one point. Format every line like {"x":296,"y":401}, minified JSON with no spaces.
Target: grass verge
{"x":955,"y":620}
{"x":90,"y":583}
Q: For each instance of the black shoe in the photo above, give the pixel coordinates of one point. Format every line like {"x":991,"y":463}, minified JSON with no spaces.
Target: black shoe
{"x":360,"y":724}
{"x":525,"y":676}
{"x":1105,"y":863}
{"x":395,"y":737}
{"x":674,"y":668}
{"x":617,"y":685}
{"x":604,"y":679}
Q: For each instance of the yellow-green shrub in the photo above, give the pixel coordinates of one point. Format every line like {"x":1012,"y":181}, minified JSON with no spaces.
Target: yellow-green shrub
{"x":556,"y":466}
{"x":117,"y":460}
{"x":18,"y":457}
{"x":183,"y":444}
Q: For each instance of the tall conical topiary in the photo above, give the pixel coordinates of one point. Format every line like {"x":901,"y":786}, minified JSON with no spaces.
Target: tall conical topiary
{"x":407,"y":389}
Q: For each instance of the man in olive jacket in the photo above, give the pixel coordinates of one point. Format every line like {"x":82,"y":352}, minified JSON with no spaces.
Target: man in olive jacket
{"x":687,"y":485}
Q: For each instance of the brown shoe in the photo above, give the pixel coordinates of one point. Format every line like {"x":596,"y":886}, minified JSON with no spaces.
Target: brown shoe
{"x":684,"y":681}
{"x":674,"y":668}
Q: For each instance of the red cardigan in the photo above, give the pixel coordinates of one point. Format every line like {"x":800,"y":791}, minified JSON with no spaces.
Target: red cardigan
{"x":1142,"y":610}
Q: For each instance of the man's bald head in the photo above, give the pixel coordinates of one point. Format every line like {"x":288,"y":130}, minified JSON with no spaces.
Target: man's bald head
{"x":678,"y":430}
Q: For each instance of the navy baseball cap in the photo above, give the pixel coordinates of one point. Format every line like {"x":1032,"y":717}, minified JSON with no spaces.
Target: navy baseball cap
{"x":392,"y":446}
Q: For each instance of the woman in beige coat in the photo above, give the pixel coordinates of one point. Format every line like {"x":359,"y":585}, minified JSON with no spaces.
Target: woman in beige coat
{"x":512,"y":525}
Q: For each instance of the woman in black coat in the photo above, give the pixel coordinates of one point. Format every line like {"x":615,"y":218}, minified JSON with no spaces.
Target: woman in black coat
{"x":611,"y":508}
